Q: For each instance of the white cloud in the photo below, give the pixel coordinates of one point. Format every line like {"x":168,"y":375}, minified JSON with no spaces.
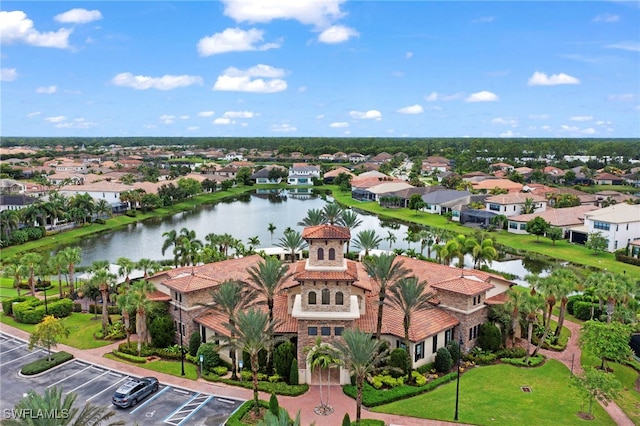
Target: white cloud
{"x":184,"y":117}
{"x":542,"y":79}
{"x":78,"y":16}
{"x":47,"y":90}
{"x":408,"y":55}
{"x":483,"y":96}
{"x":546,"y":127}
{"x":633,"y":46}
{"x":223,"y":121}
{"x":317,"y":13}
{"x":625,"y":97}
{"x":166,"y":82}
{"x":15,"y":27}
{"x":192,"y":128}
{"x":413,"y":109}
{"x":234,"y":40}
{"x":77,"y":123}
{"x":588,"y":131}
{"x":8,"y":74}
{"x":238,"y":114}
{"x":206,"y":113}
{"x":372,"y":114}
{"x":34,"y":114}
{"x":435,"y":96}
{"x":606,"y":17}
{"x":505,"y":121}
{"x":581,"y":118}
{"x":337,"y":34}
{"x":237,"y":80}
{"x":282,"y":128}
{"x":56,"y":119}
{"x":566,"y":128}
{"x":539,"y":116}
{"x":339,"y":125}
{"x":507,"y":134}
{"x":167,"y":119}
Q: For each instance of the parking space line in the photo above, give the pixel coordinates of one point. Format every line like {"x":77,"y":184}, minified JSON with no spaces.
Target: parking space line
{"x":71,"y":375}
{"x":179,"y":409}
{"x":196,"y":410}
{"x":10,"y":350}
{"x":104,"y":390}
{"x":166,"y":388}
{"x":24,"y":356}
{"x":85,"y":383}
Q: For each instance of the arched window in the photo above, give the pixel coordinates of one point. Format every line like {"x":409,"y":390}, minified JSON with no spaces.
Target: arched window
{"x":312,"y":297}
{"x":332,"y":254}
{"x":326,"y":295}
{"x":320,"y":253}
{"x":339,"y":298}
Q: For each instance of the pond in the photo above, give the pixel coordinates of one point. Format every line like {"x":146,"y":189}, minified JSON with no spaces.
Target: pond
{"x":247,"y":216}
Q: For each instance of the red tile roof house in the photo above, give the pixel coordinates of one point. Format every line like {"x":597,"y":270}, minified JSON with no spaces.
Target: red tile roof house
{"x":327,"y":293}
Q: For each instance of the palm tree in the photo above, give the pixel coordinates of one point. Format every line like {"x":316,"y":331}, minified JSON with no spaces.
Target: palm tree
{"x":361,"y":355}
{"x":52,"y":402}
{"x":228,"y":298}
{"x":529,"y":206}
{"x":530,"y":307}
{"x":548,"y":287}
{"x":139,"y":291}
{"x":253,"y":333}
{"x":460,"y":246}
{"x":426,"y":239}
{"x":253,"y":243}
{"x":567,"y":283}
{"x":187,"y":246}
{"x":482,"y":252}
{"x":391,"y":237}
{"x":513,"y":304}
{"x":125,"y":301}
{"x":9,"y":221}
{"x":226,"y":241}
{"x":34,"y":214}
{"x":293,"y":242}
{"x":410,"y":296}
{"x":126,"y":267}
{"x":57,"y":263}
{"x":367,"y":240}
{"x":350,"y":219}
{"x":385,"y":272}
{"x":85,"y":203}
{"x":271,"y":228}
{"x":71,"y":257}
{"x":170,"y":239}
{"x":17,"y":271}
{"x":314,"y":217}
{"x":105,"y":281}
{"x":608,"y":287}
{"x":322,"y":356}
{"x":267,"y":278}
{"x":103,"y":209}
{"x":31,"y":262}
{"x":332,"y":213}
{"x":148,"y":266}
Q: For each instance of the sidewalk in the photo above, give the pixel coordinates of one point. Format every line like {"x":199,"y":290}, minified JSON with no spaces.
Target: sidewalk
{"x":305,"y":404}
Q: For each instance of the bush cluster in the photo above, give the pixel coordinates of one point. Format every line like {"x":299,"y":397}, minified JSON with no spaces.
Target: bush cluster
{"x":128,"y":357}
{"x":444,"y":362}
{"x":97,"y":309}
{"x":7,"y":304}
{"x":511,"y":353}
{"x":43,"y":364}
{"x":582,"y":310}
{"x":534,"y":361}
{"x":33,"y":310}
{"x":279,"y":388}
{"x":236,"y":417}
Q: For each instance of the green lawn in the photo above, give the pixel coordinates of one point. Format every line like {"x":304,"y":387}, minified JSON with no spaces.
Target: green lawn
{"x":492,"y":396}
{"x":173,"y":368}
{"x":82,"y":327}
{"x":7,"y":290}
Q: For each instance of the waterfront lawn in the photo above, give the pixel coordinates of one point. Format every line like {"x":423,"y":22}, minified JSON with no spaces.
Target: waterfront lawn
{"x":173,"y":368}
{"x":629,"y":399}
{"x":82,"y":327}
{"x":492,"y":396}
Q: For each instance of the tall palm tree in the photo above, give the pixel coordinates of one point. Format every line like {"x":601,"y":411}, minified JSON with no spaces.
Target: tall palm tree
{"x":9,"y":221}
{"x":57,"y":263}
{"x":252,"y":333}
{"x":548,"y":288}
{"x":314,"y":217}
{"x":126,"y":267}
{"x":482,"y":252}
{"x":85,"y":203}
{"x":367,"y":240}
{"x":228,"y":298}
{"x":271,"y":228}
{"x":361,"y":355}
{"x":71,"y":256}
{"x":267,"y":278}
{"x":125,"y":301}
{"x":148,"y":266}
{"x":103,"y":209}
{"x":253,"y":243}
{"x":426,"y":239}
{"x":293,"y":242}
{"x":139,"y":291}
{"x":226,"y":241}
{"x":458,"y":247}
{"x":385,"y":272}
{"x":391,"y":237}
{"x":609,"y":287}
{"x":170,"y":239}
{"x":105,"y":282}
{"x":332,"y":213}
{"x":31,"y":261}
{"x":52,"y":402}
{"x":410,"y":296}
{"x":513,"y":304}
{"x":529,"y":308}
{"x":350,"y":219}
{"x":567,"y":283}
{"x":322,"y":356}
{"x":17,"y":271}
{"x":34,"y":214}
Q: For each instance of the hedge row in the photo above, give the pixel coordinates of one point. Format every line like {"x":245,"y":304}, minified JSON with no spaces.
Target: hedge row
{"x":127,"y":357}
{"x":534,"y":361}
{"x":582,"y":310}
{"x":43,"y":364}
{"x":7,"y":304}
{"x":372,"y":397}
{"x":97,"y":309}
{"x":236,"y":417}
{"x":621,"y":257}
{"x":279,"y":388}
{"x":33,"y":311}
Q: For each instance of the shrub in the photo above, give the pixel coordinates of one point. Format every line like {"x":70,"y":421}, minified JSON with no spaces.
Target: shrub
{"x":425,"y":368}
{"x":274,"y":407}
{"x":571,"y":300}
{"x":582,"y":310}
{"x":454,"y":349}
{"x":283,"y":356}
{"x":275,"y":378}
{"x":132,"y":349}
{"x":534,"y":361}
{"x":293,"y":373}
{"x":130,"y":358}
{"x":489,"y":337}
{"x":162,"y":331}
{"x":77,"y":307}
{"x":220,"y":370}
{"x":443,"y":360}
{"x":236,"y":418}
{"x":7,"y":305}
{"x":209,"y":351}
{"x":280,"y":388}
{"x":511,"y":353}
{"x":42,"y":364}
{"x":194,"y":343}
{"x":398,"y":360}
{"x":97,"y":309}
{"x":346,"y":420}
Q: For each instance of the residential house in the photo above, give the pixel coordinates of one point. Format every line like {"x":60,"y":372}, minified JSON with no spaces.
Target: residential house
{"x":383,"y":157}
{"x":262,"y":176}
{"x":327,"y":293}
{"x":102,"y":190}
{"x":15,"y":202}
{"x":512,"y":204}
{"x":303,"y":174}
{"x":376,"y":192}
{"x":564,"y":218}
{"x":487,"y":185}
{"x":619,"y":224}
{"x":442,"y":201}
{"x":505,"y":167}
{"x":608,"y":179}
{"x":329,"y":176}
{"x":11,"y":186}
{"x":326,"y":157}
{"x":356,"y":158}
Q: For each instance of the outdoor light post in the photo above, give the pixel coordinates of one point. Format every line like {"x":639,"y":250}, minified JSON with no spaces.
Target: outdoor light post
{"x":240,"y":365}
{"x":44,"y":290}
{"x":455,"y":417}
{"x":179,"y":306}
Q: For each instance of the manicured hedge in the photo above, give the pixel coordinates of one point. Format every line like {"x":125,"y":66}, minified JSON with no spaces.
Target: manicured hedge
{"x":7,"y":305}
{"x":368,"y":422}
{"x":372,"y":397}
{"x":42,"y":364}
{"x":32,"y":311}
{"x":131,"y":358}
{"x":279,"y":388}
{"x":236,"y":417}
{"x":582,"y":310}
{"x":571,"y":301}
{"x":534,"y":361}
{"x":97,"y":309}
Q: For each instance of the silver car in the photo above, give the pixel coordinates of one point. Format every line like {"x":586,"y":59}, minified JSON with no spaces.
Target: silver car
{"x":133,"y":391}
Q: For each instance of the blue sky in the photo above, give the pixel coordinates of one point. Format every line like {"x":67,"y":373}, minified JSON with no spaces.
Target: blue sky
{"x":327,"y":68}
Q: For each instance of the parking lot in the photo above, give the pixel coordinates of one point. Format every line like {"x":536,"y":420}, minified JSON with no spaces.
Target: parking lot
{"x":169,"y":405}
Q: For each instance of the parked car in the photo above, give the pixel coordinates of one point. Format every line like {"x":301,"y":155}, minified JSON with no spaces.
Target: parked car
{"x":133,"y":391}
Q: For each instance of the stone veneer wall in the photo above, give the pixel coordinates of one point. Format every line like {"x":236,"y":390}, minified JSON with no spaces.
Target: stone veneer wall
{"x":306,"y":341}
{"x":334,"y":287}
{"x":466,"y":322}
{"x":459,"y":301}
{"x":337,"y":245}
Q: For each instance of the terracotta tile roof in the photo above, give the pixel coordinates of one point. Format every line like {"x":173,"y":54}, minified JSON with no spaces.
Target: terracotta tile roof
{"x":567,"y":216}
{"x":514,"y":198}
{"x":469,"y":286}
{"x":326,"y":232}
{"x":498,"y":299}
{"x":158,"y":296}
